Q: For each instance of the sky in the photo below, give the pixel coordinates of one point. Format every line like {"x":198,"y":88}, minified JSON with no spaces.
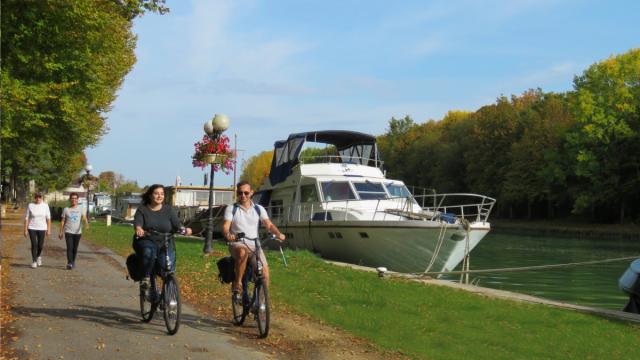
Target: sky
{"x":281,"y":67}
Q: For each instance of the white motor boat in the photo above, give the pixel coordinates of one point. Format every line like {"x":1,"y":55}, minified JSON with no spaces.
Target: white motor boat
{"x":339,"y":204}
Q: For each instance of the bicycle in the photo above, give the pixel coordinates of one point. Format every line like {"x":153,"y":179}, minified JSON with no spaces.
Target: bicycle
{"x":258,"y":303}
{"x":169,"y":299}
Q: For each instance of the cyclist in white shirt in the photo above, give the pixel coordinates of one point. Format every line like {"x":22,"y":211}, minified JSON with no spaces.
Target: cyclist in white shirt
{"x":37,"y":225}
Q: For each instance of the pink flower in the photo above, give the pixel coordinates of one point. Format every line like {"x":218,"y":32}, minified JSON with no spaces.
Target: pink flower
{"x":207,"y":146}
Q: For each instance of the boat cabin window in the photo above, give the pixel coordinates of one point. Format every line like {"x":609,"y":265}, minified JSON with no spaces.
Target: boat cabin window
{"x":277,"y":208}
{"x":262,"y":197}
{"x":369,"y":190}
{"x":337,"y":190}
{"x":397,"y":190}
{"x":308,"y":193}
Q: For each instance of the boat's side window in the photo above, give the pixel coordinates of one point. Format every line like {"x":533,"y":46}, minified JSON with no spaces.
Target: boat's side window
{"x":337,"y":190}
{"x":308,"y":193}
{"x":370,"y":190}
{"x":276,"y":207}
{"x":397,"y":190}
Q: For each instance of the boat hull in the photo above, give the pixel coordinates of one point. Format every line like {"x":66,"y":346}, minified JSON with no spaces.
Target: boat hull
{"x":402,"y":246}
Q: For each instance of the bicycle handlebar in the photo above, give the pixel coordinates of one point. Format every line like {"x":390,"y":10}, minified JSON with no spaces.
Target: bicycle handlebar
{"x":243,"y":236}
{"x":181,"y":231}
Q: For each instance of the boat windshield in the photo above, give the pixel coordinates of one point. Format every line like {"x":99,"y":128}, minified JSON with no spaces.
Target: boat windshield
{"x":370,"y":190}
{"x":397,"y":190}
{"x":337,"y":190}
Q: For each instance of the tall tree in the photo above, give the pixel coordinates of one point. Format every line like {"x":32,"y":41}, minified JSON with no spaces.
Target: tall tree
{"x":256,"y":169}
{"x":607,"y":137}
{"x":394,"y":143}
{"x":62,"y":63}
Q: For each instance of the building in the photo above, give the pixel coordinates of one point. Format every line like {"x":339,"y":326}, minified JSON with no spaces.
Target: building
{"x":124,"y":206}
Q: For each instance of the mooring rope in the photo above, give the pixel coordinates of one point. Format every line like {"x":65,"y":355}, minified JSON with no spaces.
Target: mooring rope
{"x":528,"y":268}
{"x":443,"y":230}
{"x":466,"y":260}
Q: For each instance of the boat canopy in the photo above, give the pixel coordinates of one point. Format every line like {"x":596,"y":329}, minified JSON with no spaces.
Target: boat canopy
{"x":353,"y":148}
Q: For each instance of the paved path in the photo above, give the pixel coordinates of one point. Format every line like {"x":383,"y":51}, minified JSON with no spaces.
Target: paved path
{"x":92,"y":312}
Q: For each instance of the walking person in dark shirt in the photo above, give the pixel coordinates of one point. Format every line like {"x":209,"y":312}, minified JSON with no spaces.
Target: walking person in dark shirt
{"x":154,"y":215}
{"x":71,"y":228}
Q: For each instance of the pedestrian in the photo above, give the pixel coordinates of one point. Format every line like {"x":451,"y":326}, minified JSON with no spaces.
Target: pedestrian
{"x":71,"y":228}
{"x":37,"y":225}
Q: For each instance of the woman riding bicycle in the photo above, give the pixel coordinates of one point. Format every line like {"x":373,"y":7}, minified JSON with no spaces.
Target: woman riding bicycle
{"x":154,"y":216}
{"x":243,"y":217}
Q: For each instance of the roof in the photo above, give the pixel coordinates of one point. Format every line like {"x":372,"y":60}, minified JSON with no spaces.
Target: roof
{"x":339,"y":138}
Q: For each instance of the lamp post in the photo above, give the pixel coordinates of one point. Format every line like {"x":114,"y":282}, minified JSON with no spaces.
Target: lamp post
{"x":213,"y":128}
{"x":87,"y":179}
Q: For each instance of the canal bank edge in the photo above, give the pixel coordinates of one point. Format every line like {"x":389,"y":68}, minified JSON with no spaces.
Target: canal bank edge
{"x":553,"y":229}
{"x":501,"y":294}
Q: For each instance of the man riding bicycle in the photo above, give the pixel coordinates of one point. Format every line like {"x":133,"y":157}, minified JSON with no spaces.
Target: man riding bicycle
{"x":244,"y":217}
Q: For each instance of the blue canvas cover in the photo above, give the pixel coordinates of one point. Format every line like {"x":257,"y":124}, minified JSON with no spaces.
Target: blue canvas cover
{"x":353,"y":147}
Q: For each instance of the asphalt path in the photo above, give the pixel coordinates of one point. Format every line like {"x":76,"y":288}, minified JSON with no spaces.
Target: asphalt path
{"x":92,"y":311}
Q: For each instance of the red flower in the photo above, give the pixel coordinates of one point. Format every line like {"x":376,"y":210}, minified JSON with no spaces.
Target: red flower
{"x":218,"y":146}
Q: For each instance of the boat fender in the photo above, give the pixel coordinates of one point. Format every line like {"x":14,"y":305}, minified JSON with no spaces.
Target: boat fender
{"x":630,"y":281}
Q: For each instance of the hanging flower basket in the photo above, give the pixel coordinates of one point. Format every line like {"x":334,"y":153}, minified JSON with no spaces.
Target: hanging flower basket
{"x":215,"y":158}
{"x":214,"y":151}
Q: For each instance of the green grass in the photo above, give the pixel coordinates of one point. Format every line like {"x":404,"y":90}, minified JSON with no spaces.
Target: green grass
{"x":420,"y":321}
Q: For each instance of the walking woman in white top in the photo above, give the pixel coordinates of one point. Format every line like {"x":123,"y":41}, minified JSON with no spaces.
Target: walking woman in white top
{"x":37,"y":224}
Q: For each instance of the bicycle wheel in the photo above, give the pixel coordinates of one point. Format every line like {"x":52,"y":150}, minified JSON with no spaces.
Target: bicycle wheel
{"x":147,"y":306}
{"x":239,"y":311}
{"x":261,"y":309}
{"x":171,"y":299}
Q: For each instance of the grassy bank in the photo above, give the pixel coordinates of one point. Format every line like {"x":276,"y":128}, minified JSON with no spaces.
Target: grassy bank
{"x":420,"y":321}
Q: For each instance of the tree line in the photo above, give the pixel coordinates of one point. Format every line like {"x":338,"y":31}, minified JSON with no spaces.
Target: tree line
{"x":540,"y":154}
{"x":62,"y":63}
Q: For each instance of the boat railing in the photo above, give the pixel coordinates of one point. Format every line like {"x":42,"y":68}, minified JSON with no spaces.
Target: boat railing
{"x":340,"y":159}
{"x":477,"y":210}
{"x":471,"y":207}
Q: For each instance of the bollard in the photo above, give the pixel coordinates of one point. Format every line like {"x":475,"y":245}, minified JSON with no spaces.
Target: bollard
{"x":108,"y":220}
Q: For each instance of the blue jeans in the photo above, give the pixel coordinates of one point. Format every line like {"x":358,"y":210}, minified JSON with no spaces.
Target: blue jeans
{"x":153,"y":254}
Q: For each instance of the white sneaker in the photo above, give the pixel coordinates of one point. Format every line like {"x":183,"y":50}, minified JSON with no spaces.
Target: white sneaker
{"x":39,"y":261}
{"x":34,"y":265}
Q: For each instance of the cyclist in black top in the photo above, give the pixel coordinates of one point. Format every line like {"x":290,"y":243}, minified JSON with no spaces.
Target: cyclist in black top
{"x":154,"y":215}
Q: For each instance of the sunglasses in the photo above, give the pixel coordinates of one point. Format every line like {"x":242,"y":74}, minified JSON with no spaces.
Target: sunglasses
{"x":245,"y":193}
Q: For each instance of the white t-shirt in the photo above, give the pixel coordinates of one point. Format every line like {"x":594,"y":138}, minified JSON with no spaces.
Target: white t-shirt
{"x":245,"y":220}
{"x":37,"y":214}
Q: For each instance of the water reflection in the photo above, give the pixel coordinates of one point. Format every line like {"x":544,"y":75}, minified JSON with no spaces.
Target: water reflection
{"x":590,"y":285}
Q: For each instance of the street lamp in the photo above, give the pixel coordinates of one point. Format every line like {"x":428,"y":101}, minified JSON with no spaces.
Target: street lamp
{"x":213,"y":128}
{"x":87,"y":180}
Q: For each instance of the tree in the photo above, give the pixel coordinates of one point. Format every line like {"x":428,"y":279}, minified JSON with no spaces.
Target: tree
{"x":62,"y":63}
{"x":535,"y":172}
{"x":490,"y":140}
{"x":607,"y":137}
{"x":109,"y":181}
{"x":128,"y":186}
{"x":257,"y":168}
{"x":393,"y":145}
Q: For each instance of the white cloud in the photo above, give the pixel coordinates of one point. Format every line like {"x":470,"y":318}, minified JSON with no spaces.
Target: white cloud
{"x":562,"y":72}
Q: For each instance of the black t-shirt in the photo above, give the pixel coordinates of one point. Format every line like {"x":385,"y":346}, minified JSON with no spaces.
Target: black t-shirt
{"x":164,"y":220}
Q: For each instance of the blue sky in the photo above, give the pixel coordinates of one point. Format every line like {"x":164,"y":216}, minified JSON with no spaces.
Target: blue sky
{"x":279,"y":67}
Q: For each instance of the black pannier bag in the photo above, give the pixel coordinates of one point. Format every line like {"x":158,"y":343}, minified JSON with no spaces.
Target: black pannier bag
{"x":226,"y":270}
{"x":134,"y":267}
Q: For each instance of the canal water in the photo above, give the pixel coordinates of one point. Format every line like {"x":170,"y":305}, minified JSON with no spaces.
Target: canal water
{"x":590,"y":285}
